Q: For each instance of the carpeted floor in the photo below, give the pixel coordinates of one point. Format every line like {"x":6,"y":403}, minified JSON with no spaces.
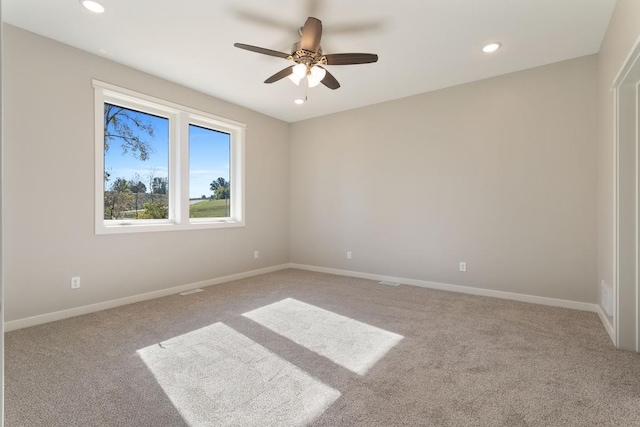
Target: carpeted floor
{"x":301,"y":348}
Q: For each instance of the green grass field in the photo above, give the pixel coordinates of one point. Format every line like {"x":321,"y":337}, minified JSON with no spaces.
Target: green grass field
{"x":209,"y":209}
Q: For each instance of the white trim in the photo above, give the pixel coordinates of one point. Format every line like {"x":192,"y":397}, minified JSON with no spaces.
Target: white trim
{"x":124,"y":94}
{"x":98,"y":108}
{"x":182,"y":158}
{"x":615,"y":284}
{"x":179,"y":118}
{"x":626,"y":86}
{"x":622,"y":74}
{"x":576,"y":305}
{"x":607,"y":325}
{"x":637,"y":182}
{"x":627,"y":65}
{"x":77,"y":311}
{"x":124,"y":227}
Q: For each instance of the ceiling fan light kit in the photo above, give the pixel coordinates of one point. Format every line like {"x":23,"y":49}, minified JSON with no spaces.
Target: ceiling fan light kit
{"x":309,"y":59}
{"x":314,"y":75}
{"x":298,"y":72}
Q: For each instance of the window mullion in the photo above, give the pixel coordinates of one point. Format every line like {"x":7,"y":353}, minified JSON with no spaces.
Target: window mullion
{"x":181,"y":166}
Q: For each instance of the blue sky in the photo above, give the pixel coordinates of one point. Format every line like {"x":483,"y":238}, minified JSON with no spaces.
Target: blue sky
{"x":208,"y":156}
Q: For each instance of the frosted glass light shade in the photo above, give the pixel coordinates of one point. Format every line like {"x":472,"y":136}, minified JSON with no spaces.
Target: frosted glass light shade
{"x":295,"y":79}
{"x":315,"y":76}
{"x":298,"y":73}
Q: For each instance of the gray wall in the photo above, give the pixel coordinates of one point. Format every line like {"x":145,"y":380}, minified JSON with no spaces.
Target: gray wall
{"x":619,"y":40}
{"x":500,"y":173}
{"x":49,"y":193}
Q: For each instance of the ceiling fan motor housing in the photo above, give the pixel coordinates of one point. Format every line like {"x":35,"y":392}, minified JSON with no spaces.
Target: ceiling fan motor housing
{"x":306,"y":57}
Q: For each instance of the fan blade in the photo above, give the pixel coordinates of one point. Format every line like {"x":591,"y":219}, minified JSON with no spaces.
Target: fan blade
{"x":311,"y":34}
{"x":329,"y":81}
{"x":257,"y":18}
{"x":262,"y":50}
{"x":355,"y":27}
{"x":351,"y":58}
{"x":280,"y":75}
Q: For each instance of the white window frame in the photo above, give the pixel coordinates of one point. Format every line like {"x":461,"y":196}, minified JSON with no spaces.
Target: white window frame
{"x":180,"y":117}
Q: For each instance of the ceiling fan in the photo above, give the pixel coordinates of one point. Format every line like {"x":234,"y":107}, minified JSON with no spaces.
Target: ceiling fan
{"x":309,"y":58}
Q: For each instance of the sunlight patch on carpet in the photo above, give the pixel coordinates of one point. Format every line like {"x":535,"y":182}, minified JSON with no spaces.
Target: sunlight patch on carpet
{"x":349,"y":343}
{"x":217,"y":376}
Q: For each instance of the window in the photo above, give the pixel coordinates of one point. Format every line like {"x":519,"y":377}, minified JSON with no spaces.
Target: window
{"x":162,"y":166}
{"x":136,"y":164}
{"x":209,"y":180}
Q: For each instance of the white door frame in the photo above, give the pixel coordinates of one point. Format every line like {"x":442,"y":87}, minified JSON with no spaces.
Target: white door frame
{"x":626,"y":212}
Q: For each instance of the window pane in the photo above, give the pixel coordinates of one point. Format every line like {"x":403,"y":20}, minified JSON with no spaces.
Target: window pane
{"x":136,"y":164}
{"x":209,"y":160}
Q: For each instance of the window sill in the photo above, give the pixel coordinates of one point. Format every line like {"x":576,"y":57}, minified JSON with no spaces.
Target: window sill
{"x":198,"y":224}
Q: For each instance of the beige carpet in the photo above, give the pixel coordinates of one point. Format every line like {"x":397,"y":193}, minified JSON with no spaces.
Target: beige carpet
{"x":301,"y":348}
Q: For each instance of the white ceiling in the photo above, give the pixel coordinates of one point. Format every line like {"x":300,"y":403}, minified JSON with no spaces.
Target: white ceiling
{"x":423,"y":45}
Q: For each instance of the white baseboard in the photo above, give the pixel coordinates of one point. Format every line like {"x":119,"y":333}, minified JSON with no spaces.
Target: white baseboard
{"x":576,"y":305}
{"x":77,"y":311}
{"x":607,"y":325}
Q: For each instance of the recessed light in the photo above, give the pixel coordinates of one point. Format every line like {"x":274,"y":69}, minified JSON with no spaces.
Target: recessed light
{"x":92,"y":6}
{"x":491,"y":47}
{"x":299,"y":101}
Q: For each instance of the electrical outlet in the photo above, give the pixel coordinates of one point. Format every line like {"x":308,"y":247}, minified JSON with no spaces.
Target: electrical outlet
{"x":75,"y":282}
{"x":256,"y":254}
{"x":348,"y":254}
{"x":463,"y":266}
